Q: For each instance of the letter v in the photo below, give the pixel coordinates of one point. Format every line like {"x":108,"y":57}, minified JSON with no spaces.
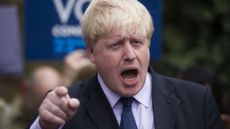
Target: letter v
{"x":64,"y":12}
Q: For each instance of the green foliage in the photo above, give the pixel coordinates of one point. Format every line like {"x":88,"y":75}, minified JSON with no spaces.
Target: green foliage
{"x":196,"y":30}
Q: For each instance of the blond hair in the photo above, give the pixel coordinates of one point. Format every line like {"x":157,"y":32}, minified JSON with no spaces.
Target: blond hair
{"x":104,"y":16}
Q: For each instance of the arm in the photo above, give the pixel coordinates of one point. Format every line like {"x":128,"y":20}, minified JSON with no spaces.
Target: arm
{"x":55,"y":110}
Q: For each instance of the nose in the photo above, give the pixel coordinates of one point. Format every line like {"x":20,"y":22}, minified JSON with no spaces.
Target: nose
{"x":129,"y":53}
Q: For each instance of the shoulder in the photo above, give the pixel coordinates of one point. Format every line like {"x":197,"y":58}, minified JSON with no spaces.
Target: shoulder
{"x":84,"y":88}
{"x":180,"y":84}
{"x":195,"y":100}
{"x":185,"y":90}
{"x":167,"y":85}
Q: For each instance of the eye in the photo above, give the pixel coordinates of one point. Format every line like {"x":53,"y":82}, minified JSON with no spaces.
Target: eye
{"x":136,"y":43}
{"x":116,"y":45}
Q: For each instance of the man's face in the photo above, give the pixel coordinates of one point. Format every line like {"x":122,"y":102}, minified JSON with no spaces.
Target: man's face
{"x":122,"y":61}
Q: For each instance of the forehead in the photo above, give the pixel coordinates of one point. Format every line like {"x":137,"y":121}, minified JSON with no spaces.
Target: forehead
{"x":117,"y":36}
{"x":124,"y":32}
{"x":121,"y":35}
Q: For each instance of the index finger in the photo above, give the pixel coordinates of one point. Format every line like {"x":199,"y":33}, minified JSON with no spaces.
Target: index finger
{"x":61,"y":91}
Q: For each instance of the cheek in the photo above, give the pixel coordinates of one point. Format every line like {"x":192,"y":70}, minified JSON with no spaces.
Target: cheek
{"x":144,"y":56}
{"x":148,"y":55}
{"x":147,"y":58}
{"x":106,"y":63}
{"x":110,"y":59}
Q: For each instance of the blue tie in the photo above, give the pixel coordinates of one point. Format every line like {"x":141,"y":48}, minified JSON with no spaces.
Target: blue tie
{"x":127,"y":119}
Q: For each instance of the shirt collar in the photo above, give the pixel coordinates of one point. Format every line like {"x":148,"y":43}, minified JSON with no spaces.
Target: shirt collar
{"x":110,"y":95}
{"x":144,"y":96}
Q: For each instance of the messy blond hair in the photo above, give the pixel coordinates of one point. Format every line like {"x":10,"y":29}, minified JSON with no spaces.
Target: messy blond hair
{"x":103,"y":16}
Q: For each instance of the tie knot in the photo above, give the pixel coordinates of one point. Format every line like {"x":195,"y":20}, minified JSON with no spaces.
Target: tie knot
{"x":127,"y":101}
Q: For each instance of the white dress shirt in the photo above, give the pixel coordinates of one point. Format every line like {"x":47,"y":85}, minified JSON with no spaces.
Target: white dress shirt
{"x":141,"y":107}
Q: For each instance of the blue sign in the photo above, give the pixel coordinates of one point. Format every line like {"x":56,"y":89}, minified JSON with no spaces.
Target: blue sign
{"x":53,"y":29}
{"x":155,"y":9}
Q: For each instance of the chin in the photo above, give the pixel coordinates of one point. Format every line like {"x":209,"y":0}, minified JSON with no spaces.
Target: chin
{"x":129,"y":93}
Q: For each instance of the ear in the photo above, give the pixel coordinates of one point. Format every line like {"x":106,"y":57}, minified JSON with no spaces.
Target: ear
{"x":90,"y":54}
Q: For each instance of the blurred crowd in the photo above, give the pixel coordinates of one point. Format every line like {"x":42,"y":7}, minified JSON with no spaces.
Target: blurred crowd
{"x":19,"y":111}
{"x":77,"y":67}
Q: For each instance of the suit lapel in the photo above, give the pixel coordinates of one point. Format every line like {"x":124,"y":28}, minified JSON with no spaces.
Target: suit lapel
{"x":165,"y":104}
{"x":99,"y":108}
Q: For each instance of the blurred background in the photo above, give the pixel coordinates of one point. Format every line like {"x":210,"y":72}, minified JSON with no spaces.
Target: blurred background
{"x":41,"y":47}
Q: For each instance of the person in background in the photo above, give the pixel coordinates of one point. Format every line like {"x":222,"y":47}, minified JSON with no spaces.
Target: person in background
{"x":77,"y":67}
{"x":125,"y":93}
{"x":202,"y":74}
{"x":40,"y":81}
{"x":9,"y":113}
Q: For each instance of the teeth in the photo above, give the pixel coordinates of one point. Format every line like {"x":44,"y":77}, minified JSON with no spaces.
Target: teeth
{"x":129,"y":74}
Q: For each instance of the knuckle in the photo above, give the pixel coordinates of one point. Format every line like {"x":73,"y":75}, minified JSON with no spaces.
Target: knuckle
{"x":44,"y":115}
{"x":59,"y":112}
{"x":45,"y":101}
{"x":60,"y":102}
{"x":59,"y":121}
{"x":55,"y":110}
{"x":49,"y":94}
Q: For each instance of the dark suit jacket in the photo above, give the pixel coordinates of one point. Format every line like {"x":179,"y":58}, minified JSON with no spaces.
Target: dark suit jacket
{"x":177,"y":104}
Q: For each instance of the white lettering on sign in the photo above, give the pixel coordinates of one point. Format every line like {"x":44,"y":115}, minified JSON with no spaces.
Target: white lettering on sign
{"x":66,"y":31}
{"x":64,"y":11}
{"x":78,"y":8}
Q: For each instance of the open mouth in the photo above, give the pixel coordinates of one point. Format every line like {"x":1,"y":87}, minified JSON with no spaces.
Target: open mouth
{"x":129,"y":74}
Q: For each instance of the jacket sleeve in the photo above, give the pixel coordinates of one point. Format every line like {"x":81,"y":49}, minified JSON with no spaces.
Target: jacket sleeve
{"x":211,"y":112}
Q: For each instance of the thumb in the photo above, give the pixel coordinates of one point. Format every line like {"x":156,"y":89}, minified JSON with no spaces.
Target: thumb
{"x":73,"y":103}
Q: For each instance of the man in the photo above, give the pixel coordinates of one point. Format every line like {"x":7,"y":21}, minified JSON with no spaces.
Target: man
{"x":117,"y":34}
{"x":41,"y":80}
